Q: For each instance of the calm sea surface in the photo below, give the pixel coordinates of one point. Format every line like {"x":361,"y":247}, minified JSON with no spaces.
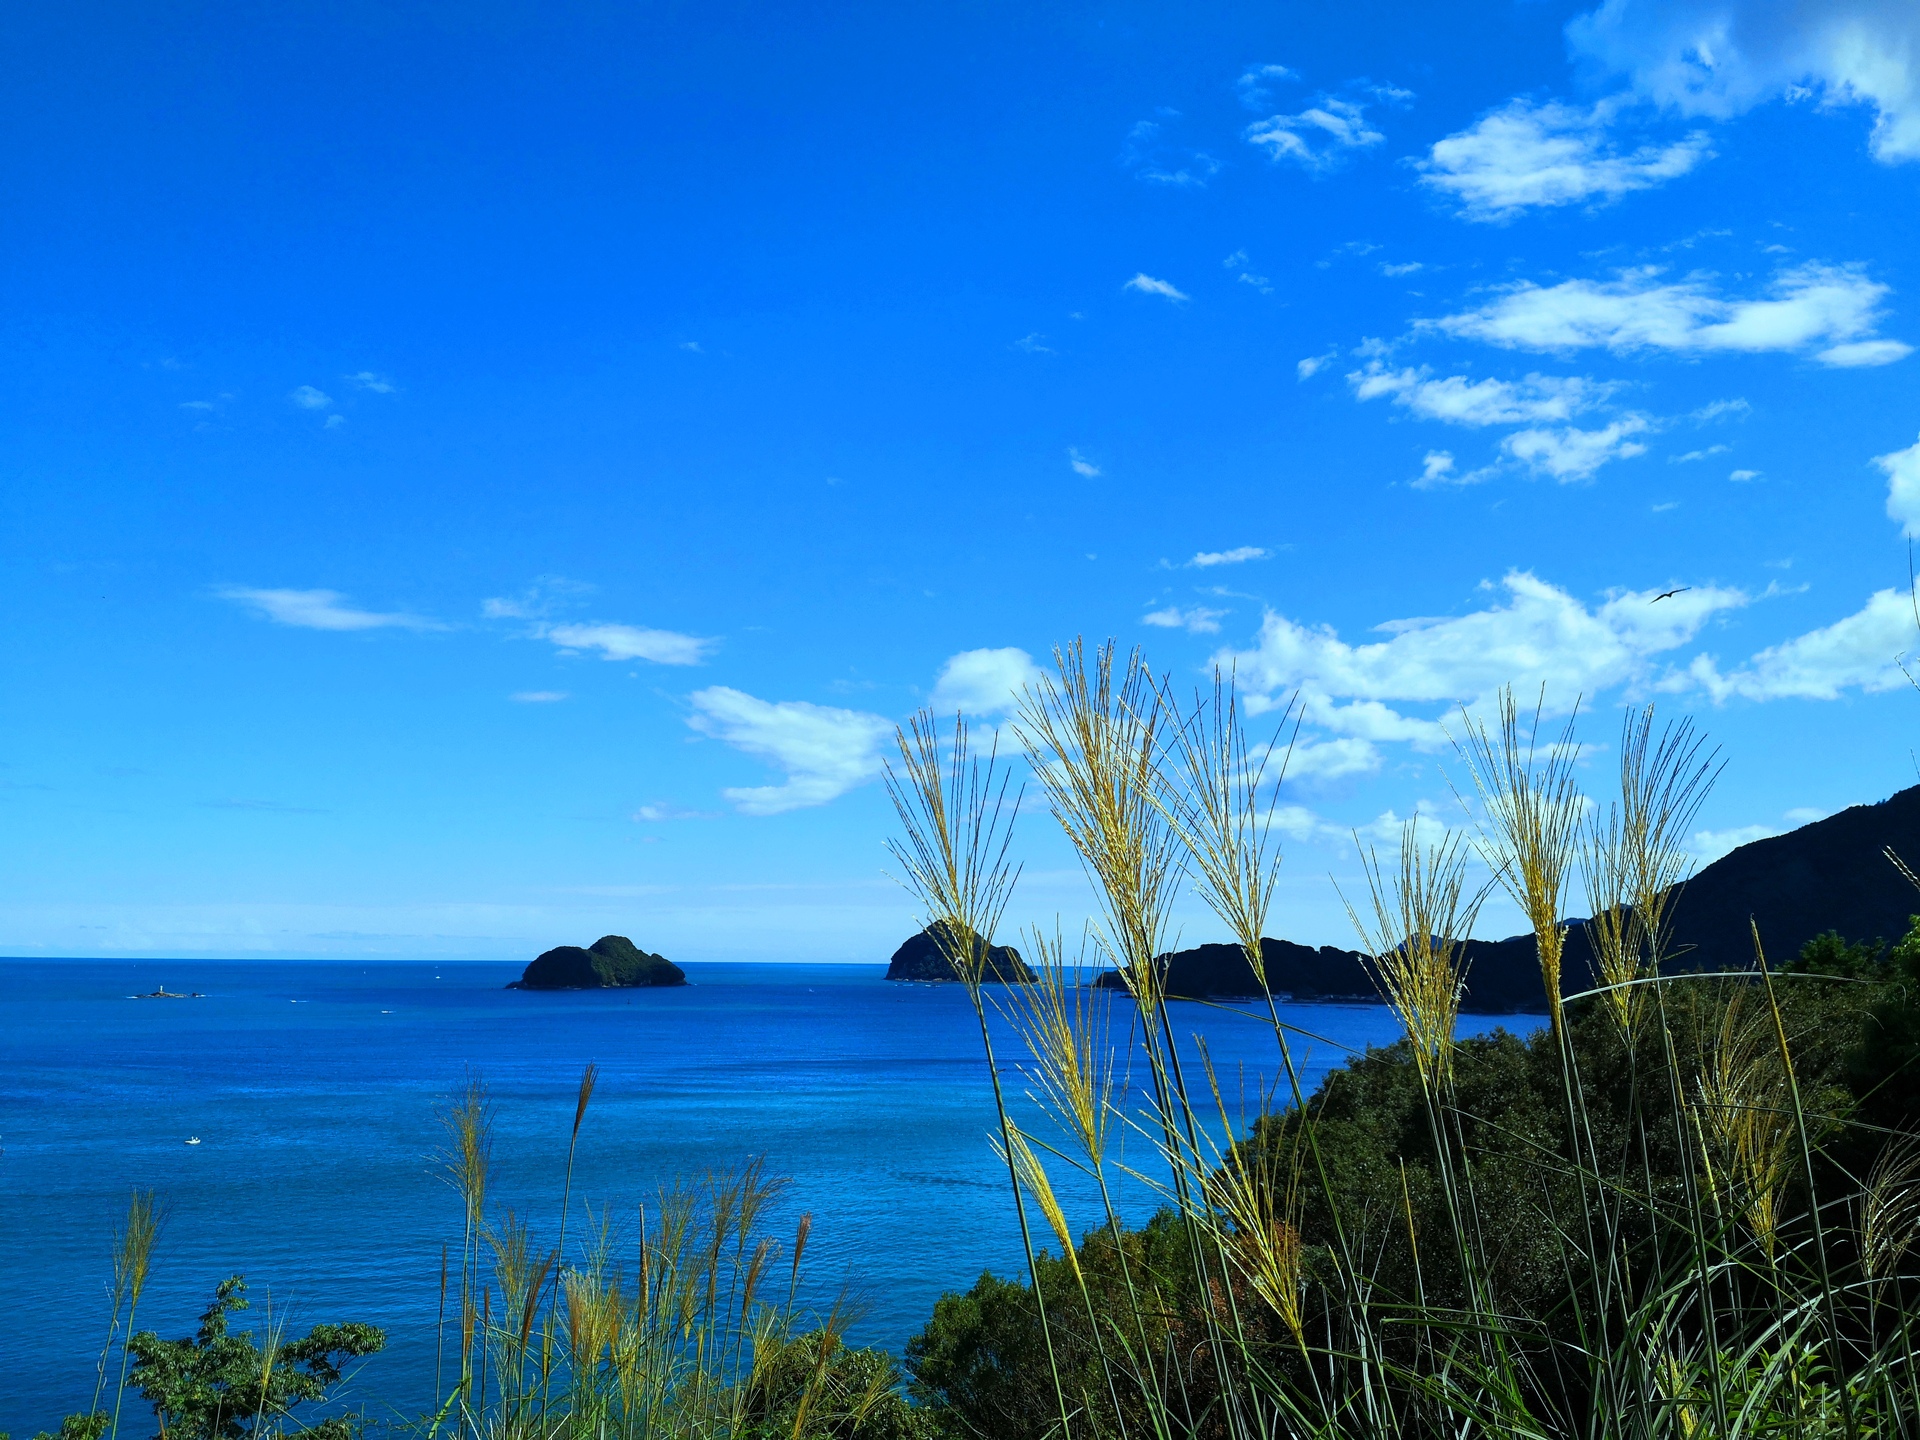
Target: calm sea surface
{"x":313,"y":1088}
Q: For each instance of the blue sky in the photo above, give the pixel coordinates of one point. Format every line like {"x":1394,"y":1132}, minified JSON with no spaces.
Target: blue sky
{"x":477,"y":477}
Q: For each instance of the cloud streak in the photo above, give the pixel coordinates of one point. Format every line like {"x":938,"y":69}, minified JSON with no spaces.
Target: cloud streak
{"x":1832,"y":310}
{"x":824,"y":751}
{"x":1534,"y":156}
{"x":630,"y":642}
{"x":320,"y":610}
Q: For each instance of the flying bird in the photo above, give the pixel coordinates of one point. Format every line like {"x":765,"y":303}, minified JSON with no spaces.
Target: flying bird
{"x":1670,"y":594}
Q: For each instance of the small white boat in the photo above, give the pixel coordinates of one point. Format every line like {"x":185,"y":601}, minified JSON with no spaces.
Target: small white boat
{"x":193,"y":1139}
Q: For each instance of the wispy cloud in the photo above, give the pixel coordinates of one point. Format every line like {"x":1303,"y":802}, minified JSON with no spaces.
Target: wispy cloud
{"x":371,"y":380}
{"x":1238,"y":555}
{"x":1198,"y":619}
{"x":1526,"y":155}
{"x":1080,"y":465}
{"x":629,"y":642}
{"x":1860,"y":652}
{"x":1147,"y":285}
{"x":1255,"y":85}
{"x":1458,"y":400}
{"x":1835,"y":307}
{"x":1237,"y":262}
{"x":1153,"y":158}
{"x":1328,"y":132}
{"x":320,"y":610}
{"x":1034,"y":344}
{"x":538,"y":697}
{"x":1569,"y":454}
{"x":824,"y":751}
{"x":1693,"y":455}
{"x":308,"y":397}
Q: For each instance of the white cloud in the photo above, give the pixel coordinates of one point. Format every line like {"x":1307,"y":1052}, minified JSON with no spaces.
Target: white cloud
{"x":1034,"y":344}
{"x":1460,"y":401}
{"x":1569,"y":454}
{"x":1147,"y":285}
{"x":1199,"y":620}
{"x":1394,"y":272}
{"x":308,"y":398}
{"x":1081,"y":465}
{"x":1713,"y":410}
{"x":1254,"y":82}
{"x":1436,"y":469}
{"x":1860,"y":652}
{"x":1711,"y":845}
{"x":1312,"y":365}
{"x":370,"y":380}
{"x":1860,"y":353}
{"x":1153,"y":158}
{"x":334,"y":422}
{"x":1697,"y":454}
{"x":1743,"y":476}
{"x":1320,"y":137}
{"x":629,"y":642}
{"x":1524,"y":155}
{"x":824,"y":751}
{"x":320,"y":610}
{"x":1540,"y":636}
{"x":1807,"y":306}
{"x":1902,"y":468}
{"x":1237,"y":262}
{"x":538,"y":697}
{"x":1239,"y":555}
{"x":1722,"y":57}
{"x":984,"y":682}
{"x":1332,"y":759}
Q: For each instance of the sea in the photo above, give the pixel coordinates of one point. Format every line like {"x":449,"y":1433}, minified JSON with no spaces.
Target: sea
{"x":315,"y":1091}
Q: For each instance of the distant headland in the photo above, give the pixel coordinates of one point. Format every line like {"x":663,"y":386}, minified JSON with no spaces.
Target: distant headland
{"x":923,"y":957}
{"x":611,"y":962}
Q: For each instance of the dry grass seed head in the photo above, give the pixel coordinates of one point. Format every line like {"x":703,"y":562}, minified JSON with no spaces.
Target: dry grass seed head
{"x":1663,"y":784}
{"x":1210,"y":792}
{"x":1532,"y":807}
{"x":133,"y":1246}
{"x":1612,"y":924}
{"x":957,"y":822}
{"x":1422,"y":915}
{"x":1890,"y":1207}
{"x":1034,"y":1180}
{"x":1064,"y":1024}
{"x":1094,"y":731}
{"x":468,"y":1159}
{"x":1747,"y":1108}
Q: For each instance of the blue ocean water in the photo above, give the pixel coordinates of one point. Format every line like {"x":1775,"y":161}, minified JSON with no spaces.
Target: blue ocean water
{"x":313,"y":1088}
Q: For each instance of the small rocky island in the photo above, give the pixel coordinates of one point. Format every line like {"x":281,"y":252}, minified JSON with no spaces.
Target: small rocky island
{"x":923,"y":957}
{"x":611,"y":962}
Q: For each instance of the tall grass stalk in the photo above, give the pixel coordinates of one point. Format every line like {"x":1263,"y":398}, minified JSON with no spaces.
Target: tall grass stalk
{"x":132,"y":1263}
{"x":956,"y":832}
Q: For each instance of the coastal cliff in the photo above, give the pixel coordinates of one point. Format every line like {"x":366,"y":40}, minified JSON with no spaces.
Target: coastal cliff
{"x":1831,"y":875}
{"x":612,"y":961}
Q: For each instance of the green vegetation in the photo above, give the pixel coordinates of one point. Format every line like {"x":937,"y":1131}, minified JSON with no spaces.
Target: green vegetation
{"x":1687,"y":1207}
